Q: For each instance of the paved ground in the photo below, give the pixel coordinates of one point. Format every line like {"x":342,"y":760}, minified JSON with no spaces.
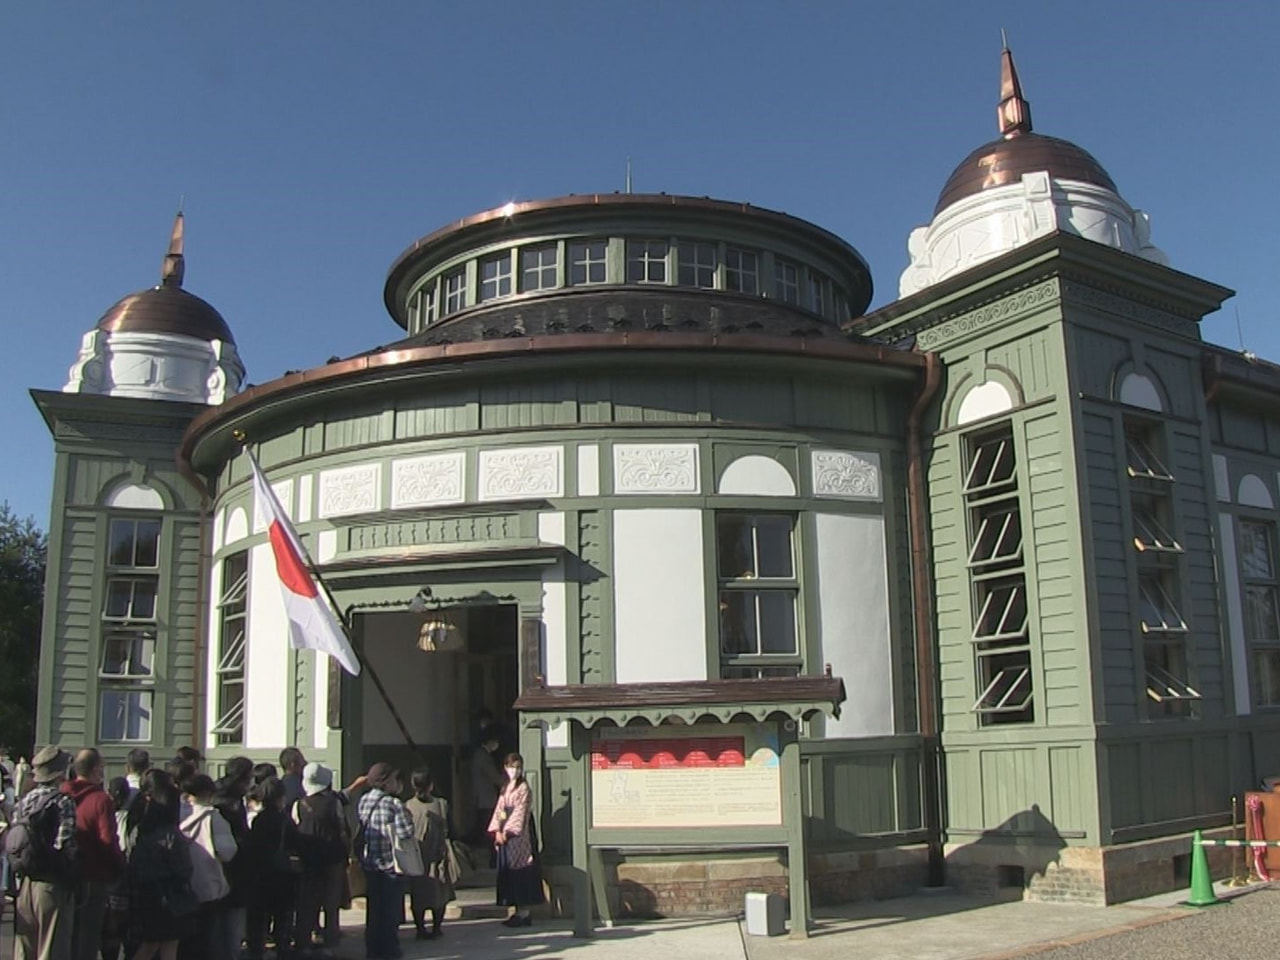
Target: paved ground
{"x":928,"y":926}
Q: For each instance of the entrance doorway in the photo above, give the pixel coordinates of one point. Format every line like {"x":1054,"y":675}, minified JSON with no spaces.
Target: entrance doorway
{"x":440,"y":669}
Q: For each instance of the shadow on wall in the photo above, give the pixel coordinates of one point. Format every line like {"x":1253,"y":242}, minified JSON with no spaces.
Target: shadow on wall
{"x":1006,"y":858}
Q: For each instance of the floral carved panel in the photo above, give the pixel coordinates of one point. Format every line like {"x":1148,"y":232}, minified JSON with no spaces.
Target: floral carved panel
{"x":427,"y":481}
{"x":350,"y":490}
{"x":655,"y":468}
{"x":846,"y":476}
{"x":521,"y":473}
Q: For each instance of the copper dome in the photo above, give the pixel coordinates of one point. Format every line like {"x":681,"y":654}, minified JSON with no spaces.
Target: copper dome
{"x":166,"y":308}
{"x":1005,"y":160}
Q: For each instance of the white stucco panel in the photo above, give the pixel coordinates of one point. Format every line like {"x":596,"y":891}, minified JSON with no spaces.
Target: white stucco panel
{"x":555,"y":641}
{"x":135,"y":496}
{"x":589,"y":470}
{"x":1253,"y":492}
{"x":757,"y":476}
{"x":428,"y":481}
{"x":521,"y":473}
{"x":1137,"y":390}
{"x":846,"y":476}
{"x":655,"y":468}
{"x":853,"y":598}
{"x":349,"y":490}
{"x":659,"y":596}
{"x":320,"y":697}
{"x":985,"y":400}
{"x":237,"y":525}
{"x":306,"y":489}
{"x":269,"y":702}
{"x":1235,"y":615}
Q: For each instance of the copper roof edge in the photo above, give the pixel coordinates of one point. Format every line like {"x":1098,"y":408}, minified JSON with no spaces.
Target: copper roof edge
{"x":556,"y":343}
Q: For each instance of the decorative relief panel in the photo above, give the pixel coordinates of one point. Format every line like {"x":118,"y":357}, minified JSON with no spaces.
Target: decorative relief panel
{"x":283,"y":489}
{"x":521,"y":473}
{"x":655,"y":468}
{"x":427,"y":481}
{"x":437,"y":531}
{"x":1005,"y":308}
{"x":350,"y":490}
{"x":846,"y":476}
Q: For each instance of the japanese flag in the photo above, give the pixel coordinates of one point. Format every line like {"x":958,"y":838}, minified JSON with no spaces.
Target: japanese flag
{"x":312,"y":624}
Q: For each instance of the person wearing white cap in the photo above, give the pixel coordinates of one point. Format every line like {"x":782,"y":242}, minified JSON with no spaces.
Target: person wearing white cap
{"x":323,"y":842}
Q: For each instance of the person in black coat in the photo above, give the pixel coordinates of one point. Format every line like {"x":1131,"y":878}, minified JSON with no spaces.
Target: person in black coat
{"x":229,"y":800}
{"x":273,"y":846}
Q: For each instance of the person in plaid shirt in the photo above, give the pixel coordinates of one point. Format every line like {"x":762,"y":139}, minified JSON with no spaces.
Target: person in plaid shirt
{"x":46,"y":905}
{"x":382,"y":817}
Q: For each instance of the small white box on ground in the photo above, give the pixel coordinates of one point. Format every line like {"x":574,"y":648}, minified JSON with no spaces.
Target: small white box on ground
{"x":766,"y":915}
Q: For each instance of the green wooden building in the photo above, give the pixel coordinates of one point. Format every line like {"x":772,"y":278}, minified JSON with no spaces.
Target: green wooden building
{"x":774,"y":594}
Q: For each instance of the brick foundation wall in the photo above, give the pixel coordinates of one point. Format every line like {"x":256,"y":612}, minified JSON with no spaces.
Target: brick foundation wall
{"x":1089,"y":875}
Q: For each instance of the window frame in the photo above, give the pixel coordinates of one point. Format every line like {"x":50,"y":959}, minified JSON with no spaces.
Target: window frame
{"x":144,"y":695}
{"x":453,"y":286}
{"x":689,"y":259}
{"x":735,"y":272}
{"x":502,"y":284}
{"x":786,"y":290}
{"x":759,"y":663}
{"x":587,"y":262}
{"x":540,"y":269}
{"x":1265,"y":695}
{"x":639,"y":251}
{"x":231,"y":669}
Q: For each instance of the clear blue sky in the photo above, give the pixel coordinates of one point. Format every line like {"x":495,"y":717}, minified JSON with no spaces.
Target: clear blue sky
{"x":314,"y":141}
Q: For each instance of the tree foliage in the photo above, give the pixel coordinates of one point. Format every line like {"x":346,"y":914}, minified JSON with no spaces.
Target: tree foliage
{"x":23,"y":551}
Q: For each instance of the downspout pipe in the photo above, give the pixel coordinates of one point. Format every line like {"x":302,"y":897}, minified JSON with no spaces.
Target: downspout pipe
{"x":923,"y":616}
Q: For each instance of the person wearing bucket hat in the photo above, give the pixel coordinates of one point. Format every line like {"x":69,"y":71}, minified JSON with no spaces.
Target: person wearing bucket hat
{"x":323,"y":841}
{"x":45,"y":910}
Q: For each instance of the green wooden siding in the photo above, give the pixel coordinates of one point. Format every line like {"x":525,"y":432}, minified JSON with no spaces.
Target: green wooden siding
{"x":70,"y":712}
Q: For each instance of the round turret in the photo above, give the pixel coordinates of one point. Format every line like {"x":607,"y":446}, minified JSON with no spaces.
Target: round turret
{"x":1015,"y":189}
{"x":162,"y":343}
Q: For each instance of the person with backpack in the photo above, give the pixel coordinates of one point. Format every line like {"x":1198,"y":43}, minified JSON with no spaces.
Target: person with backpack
{"x":272,"y":840}
{"x":40,"y":845}
{"x":383,"y":821}
{"x":212,"y":845}
{"x":97,"y":851}
{"x":323,"y":842}
{"x":161,"y":902}
{"x":229,"y":800}
{"x":434,"y":889}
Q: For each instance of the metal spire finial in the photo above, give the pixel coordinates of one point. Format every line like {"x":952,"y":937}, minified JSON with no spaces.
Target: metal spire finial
{"x":628,"y":174}
{"x":1014,"y":112}
{"x":172,"y":271}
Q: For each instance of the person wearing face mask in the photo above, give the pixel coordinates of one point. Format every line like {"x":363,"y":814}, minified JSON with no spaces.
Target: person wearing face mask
{"x":514,"y":840}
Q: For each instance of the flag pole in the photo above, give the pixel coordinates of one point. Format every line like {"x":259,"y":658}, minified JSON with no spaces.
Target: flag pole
{"x":365,"y":665}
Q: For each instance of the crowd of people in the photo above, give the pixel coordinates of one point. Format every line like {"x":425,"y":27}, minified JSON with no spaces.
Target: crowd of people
{"x":167,"y":863}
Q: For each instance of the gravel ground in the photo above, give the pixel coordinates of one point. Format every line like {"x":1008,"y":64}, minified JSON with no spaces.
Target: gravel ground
{"x":1243,"y":928}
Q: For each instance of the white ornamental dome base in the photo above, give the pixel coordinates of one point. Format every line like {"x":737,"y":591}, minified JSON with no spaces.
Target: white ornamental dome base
{"x":156,"y":366}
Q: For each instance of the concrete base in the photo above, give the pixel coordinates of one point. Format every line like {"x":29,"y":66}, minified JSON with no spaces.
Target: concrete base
{"x":1099,"y":876}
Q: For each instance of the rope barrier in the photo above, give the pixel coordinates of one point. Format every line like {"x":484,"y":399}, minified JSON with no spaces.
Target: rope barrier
{"x":1240,"y":843}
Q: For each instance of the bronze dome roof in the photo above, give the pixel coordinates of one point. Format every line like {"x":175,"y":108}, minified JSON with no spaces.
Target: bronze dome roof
{"x":1005,"y":160}
{"x":166,"y":308}
{"x":1018,"y":150}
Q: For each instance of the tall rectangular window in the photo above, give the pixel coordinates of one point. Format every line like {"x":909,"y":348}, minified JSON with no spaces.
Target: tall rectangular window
{"x":233,"y":606}
{"x":1261,"y":608}
{"x":647,"y":261}
{"x":819,"y":299}
{"x":758,"y":595}
{"x":697,"y":264}
{"x":997,"y":575}
{"x":1162,"y":628}
{"x":427,"y":305}
{"x":786,"y":281}
{"x":496,"y":277}
{"x":129,"y":627}
{"x":588,"y":260}
{"x":455,"y":292}
{"x":538,"y":268}
{"x":741,"y":271}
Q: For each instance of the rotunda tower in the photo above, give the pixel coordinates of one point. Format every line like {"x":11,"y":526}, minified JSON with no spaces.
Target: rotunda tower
{"x":1016,"y":188}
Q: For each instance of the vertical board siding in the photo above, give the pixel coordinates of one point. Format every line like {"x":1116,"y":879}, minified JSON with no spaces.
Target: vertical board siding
{"x":1067,"y":783}
{"x":89,"y":475}
{"x":1127,"y":784}
{"x":948,"y":529}
{"x":179,"y":635}
{"x":656,"y":399}
{"x":354,"y":430}
{"x":1104,"y":354}
{"x":1179,"y":377}
{"x":1111,"y":571}
{"x":527,"y":403}
{"x":1032,"y":359}
{"x":864,"y":791}
{"x":751,"y":400}
{"x":1008,"y":784}
{"x":444,"y":412}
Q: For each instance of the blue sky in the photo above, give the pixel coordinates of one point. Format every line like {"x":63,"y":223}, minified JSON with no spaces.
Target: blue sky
{"x":313,"y":142}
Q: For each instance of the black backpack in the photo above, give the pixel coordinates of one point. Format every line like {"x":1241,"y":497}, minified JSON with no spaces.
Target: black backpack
{"x":28,"y":844}
{"x":322,"y":830}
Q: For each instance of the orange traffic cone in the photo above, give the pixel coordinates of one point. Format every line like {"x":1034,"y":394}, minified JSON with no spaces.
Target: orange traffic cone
{"x":1202,"y":894}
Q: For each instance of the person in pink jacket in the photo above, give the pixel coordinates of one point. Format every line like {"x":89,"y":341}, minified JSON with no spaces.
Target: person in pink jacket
{"x":514,"y":839}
